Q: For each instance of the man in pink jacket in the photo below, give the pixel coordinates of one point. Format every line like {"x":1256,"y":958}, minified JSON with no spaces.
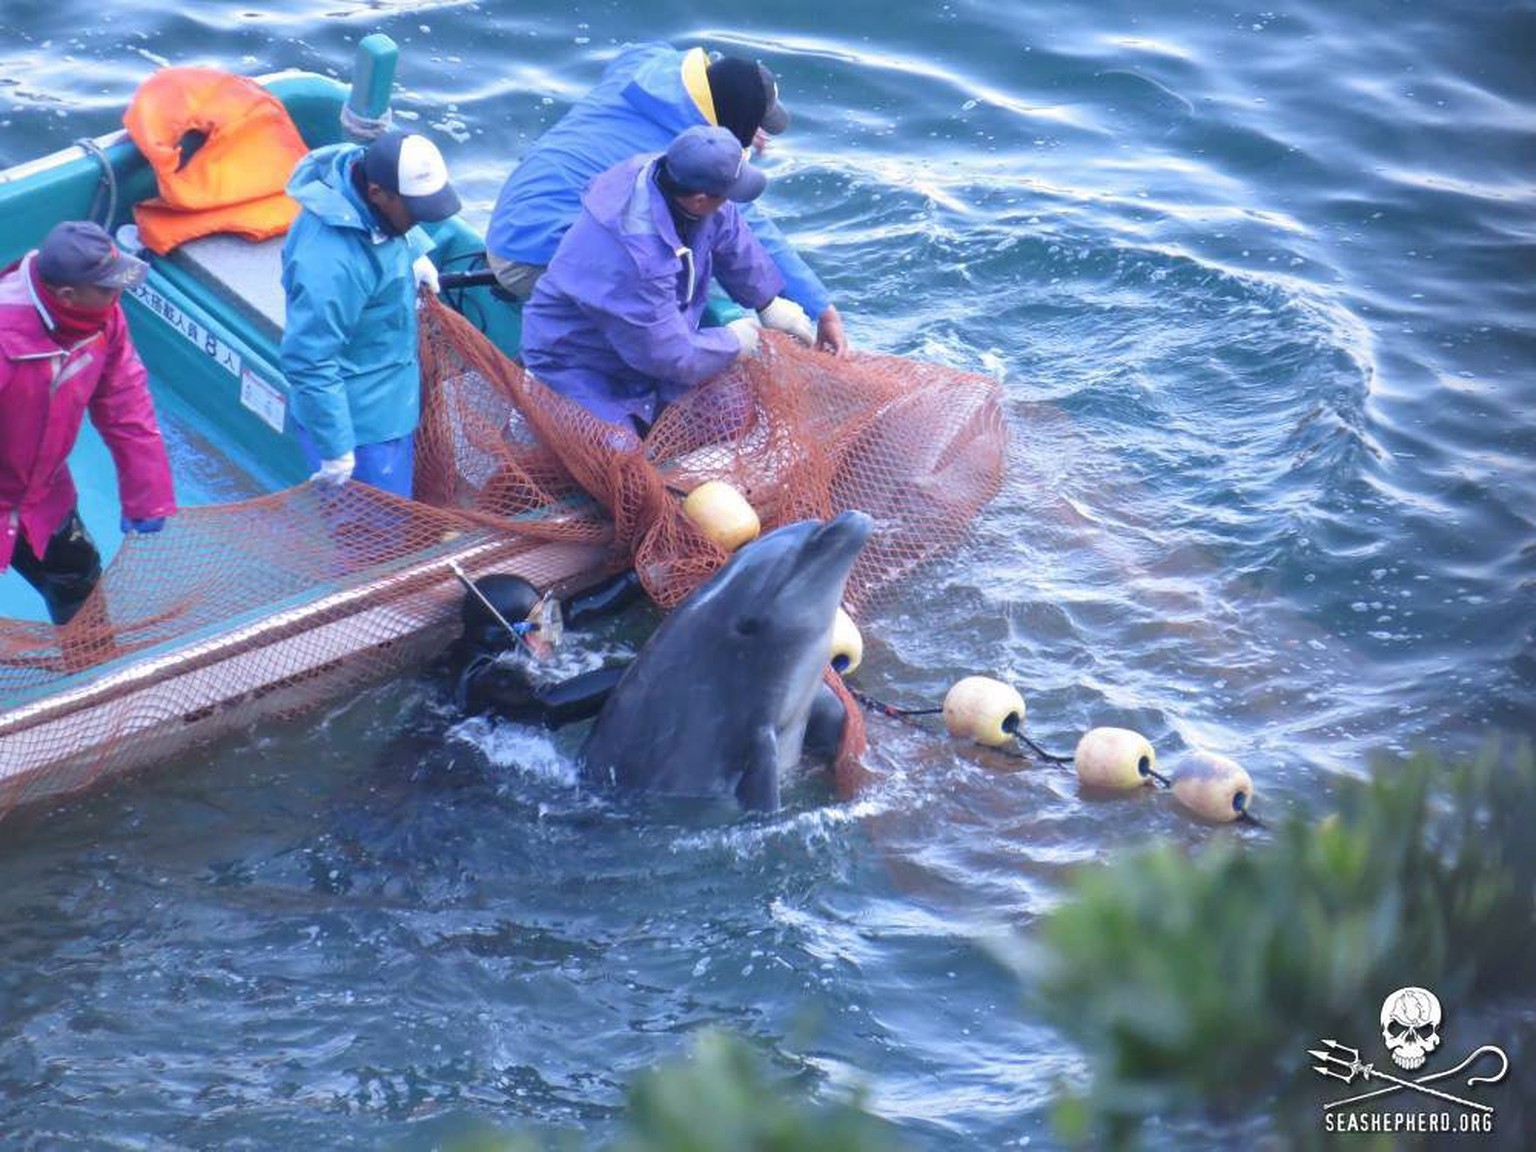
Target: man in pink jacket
{"x":65,"y":351}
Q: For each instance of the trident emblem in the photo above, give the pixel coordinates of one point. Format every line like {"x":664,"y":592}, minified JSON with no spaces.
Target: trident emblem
{"x":1344,"y":1064}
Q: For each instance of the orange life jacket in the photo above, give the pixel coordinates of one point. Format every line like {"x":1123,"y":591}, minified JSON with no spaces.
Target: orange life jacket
{"x":222,"y":148}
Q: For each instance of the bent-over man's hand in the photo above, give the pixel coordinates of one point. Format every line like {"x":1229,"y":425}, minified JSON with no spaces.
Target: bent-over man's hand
{"x":829,"y":332}
{"x":747,"y":331}
{"x":784,"y":315}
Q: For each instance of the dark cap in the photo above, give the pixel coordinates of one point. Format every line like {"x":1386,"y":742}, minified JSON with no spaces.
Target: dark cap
{"x":412,"y":168}
{"x":746,"y":98}
{"x":709,"y":159}
{"x":78,"y":254}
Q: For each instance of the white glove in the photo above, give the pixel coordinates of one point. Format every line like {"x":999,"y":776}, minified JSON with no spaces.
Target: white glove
{"x":335,"y":472}
{"x":747,"y":330}
{"x":426,"y":273}
{"x":787,"y":316}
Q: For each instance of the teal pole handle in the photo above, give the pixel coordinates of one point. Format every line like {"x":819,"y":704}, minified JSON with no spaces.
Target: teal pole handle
{"x":373,"y":76}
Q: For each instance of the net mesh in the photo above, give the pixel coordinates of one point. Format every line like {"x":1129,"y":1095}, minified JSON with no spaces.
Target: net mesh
{"x":271,"y":606}
{"x":801,"y":434}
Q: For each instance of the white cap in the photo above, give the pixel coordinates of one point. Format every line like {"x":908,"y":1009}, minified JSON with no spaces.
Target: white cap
{"x":411,"y":167}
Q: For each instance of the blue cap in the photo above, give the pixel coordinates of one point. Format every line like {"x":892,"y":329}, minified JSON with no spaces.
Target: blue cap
{"x":711,"y":160}
{"x":78,"y":253}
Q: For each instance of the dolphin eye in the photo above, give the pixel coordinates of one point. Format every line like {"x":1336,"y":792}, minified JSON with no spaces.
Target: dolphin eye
{"x":746,"y":625}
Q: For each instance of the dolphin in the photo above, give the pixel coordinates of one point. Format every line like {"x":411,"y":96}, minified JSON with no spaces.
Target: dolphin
{"x":718,"y":700}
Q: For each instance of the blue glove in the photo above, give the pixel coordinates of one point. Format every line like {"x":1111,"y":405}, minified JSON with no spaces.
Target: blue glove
{"x":129,"y":524}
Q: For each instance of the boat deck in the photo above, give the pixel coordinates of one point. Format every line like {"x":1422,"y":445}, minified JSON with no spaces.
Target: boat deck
{"x":246,"y":277}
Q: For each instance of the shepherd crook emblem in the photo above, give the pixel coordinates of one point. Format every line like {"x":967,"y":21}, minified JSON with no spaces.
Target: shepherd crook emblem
{"x":1347,"y":1068}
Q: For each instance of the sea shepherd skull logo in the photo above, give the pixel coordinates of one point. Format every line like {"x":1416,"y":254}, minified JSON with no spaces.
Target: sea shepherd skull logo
{"x":1410,"y":1022}
{"x":1410,"y":1026}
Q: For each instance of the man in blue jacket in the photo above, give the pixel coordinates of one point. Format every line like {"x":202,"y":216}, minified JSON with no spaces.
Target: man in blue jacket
{"x":614,"y":321}
{"x":649,"y":94}
{"x":351,"y":265}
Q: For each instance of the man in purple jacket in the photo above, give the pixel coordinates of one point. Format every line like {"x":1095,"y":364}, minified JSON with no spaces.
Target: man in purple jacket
{"x":614,"y":323}
{"x":648,"y":94}
{"x":65,"y":352}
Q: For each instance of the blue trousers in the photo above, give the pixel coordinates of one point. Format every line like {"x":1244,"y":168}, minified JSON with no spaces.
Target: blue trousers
{"x":389,"y":464}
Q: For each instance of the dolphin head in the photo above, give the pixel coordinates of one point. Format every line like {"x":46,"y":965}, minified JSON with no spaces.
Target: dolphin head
{"x":719,"y":698}
{"x":774,"y":605}
{"x":784,"y":584}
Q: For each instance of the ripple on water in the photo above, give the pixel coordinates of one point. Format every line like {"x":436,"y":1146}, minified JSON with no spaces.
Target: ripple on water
{"x":1256,"y":285}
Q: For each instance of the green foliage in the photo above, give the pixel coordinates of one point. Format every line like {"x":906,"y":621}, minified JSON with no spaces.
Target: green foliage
{"x":721,"y":1100}
{"x":1203,"y":981}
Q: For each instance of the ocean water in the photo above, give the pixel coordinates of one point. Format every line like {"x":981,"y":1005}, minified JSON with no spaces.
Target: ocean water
{"x":1258,"y":283}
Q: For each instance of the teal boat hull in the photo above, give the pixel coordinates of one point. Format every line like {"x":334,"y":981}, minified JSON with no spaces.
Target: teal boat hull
{"x":213,"y":360}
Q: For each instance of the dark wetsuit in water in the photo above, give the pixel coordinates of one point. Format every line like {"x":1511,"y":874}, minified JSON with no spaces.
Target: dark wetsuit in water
{"x":483,"y":683}
{"x":486,"y":684}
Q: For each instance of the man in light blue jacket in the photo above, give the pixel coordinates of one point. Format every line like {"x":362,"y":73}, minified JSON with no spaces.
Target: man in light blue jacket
{"x":351,"y":265}
{"x":648,"y":94}
{"x":614,"y":321}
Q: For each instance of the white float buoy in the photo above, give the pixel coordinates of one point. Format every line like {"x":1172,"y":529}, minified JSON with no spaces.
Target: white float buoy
{"x":1115,"y":758}
{"x":722,"y":514}
{"x":984,"y":710}
{"x":1213,"y":787}
{"x":847,"y":644}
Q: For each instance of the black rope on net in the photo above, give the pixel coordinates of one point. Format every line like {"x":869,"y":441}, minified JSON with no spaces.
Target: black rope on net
{"x":1240,"y":804}
{"x":890,"y":710}
{"x":1010,"y":725}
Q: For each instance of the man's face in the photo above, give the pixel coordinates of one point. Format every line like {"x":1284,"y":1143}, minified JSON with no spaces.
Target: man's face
{"x":700,"y":204}
{"x":392,"y":208}
{"x":88,"y":296}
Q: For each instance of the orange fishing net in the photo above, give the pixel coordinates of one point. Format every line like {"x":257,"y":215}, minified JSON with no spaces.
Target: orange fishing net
{"x":799,"y":433}
{"x":240,"y":612}
{"x":270,"y":606}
